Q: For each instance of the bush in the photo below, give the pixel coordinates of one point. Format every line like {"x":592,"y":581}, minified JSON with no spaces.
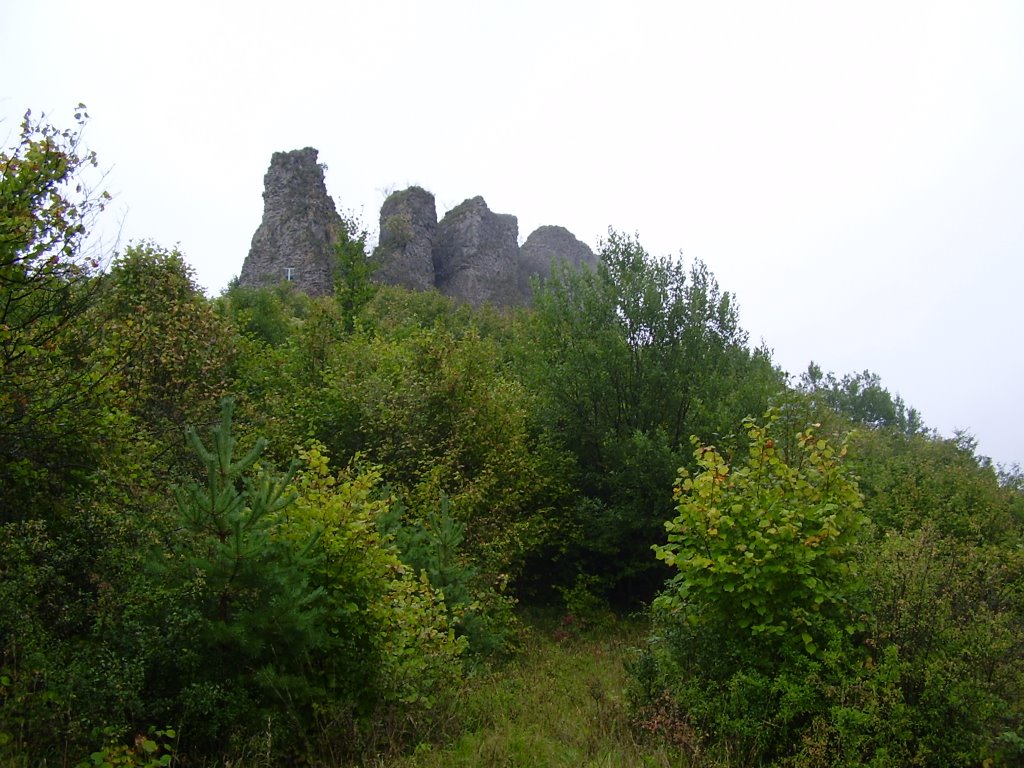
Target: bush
{"x":765,"y":550}
{"x":791,"y":637}
{"x":290,"y":620}
{"x":433,"y":547}
{"x":394,"y":657}
{"x":949,"y":613}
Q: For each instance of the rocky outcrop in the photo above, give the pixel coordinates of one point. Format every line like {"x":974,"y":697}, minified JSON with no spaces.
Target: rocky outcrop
{"x":476,"y":254}
{"x":472,"y":254}
{"x":300,"y":223}
{"x":547,"y":245}
{"x":405,"y":253}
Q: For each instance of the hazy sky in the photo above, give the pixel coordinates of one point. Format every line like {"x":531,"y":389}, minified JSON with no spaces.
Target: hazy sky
{"x":853,"y":172}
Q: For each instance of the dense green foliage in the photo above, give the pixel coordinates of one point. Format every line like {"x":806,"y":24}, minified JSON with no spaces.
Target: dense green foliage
{"x":809,"y":624}
{"x":836,"y":585}
{"x":630,"y":360}
{"x":763,"y":550}
{"x":47,"y":420}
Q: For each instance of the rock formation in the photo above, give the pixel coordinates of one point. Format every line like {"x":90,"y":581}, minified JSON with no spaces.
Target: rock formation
{"x":295,"y":239}
{"x":472,"y":254}
{"x":405,"y":253}
{"x":547,"y":245}
{"x":476,"y":254}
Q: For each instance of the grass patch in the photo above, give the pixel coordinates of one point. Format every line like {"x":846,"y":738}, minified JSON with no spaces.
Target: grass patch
{"x":560,"y":704}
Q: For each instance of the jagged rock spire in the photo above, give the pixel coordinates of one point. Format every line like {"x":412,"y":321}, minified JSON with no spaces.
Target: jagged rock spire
{"x":300,"y":223}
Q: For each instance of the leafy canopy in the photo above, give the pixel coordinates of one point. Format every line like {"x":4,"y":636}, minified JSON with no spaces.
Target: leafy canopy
{"x":47,"y":380}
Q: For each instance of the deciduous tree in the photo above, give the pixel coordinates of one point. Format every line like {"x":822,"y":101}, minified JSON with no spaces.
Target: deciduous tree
{"x":631,"y":359}
{"x":47,"y":378}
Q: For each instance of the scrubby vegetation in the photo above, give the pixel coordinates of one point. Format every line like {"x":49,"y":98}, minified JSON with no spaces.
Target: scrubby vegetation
{"x":269,"y":529}
{"x":797,"y":631}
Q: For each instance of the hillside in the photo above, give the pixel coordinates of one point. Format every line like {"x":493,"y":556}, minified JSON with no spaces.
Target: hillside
{"x":303,"y":527}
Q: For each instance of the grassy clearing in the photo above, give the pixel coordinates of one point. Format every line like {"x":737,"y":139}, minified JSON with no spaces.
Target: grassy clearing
{"x":561,"y":704}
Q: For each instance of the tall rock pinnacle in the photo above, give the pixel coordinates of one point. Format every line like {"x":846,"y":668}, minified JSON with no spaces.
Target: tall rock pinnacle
{"x":476,"y":254}
{"x":300,"y":223}
{"x":408,"y":226}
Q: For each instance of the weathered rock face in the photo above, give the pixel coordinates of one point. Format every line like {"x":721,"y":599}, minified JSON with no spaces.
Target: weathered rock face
{"x":547,"y":245}
{"x":300,"y":223}
{"x":476,"y":254}
{"x":472,"y":254}
{"x":408,"y":227}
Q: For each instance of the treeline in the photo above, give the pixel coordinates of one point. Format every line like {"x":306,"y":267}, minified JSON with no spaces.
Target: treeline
{"x":267,"y":524}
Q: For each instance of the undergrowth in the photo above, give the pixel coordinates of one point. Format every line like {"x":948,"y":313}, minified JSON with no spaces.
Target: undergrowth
{"x":560,"y":704}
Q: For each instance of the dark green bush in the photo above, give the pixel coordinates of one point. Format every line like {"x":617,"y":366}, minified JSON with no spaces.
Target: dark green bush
{"x":293,"y":621}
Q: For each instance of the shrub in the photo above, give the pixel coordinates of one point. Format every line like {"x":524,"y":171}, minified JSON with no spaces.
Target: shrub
{"x":394,"y":657}
{"x":765,"y":550}
{"x":792,"y":637}
{"x":288,"y":619}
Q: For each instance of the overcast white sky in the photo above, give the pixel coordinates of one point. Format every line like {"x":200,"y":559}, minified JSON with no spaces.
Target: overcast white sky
{"x":853,"y":172}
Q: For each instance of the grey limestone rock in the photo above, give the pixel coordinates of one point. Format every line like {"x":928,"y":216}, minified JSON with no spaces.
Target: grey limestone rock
{"x":547,"y":245}
{"x":300,"y":223}
{"x":476,"y":255}
{"x":472,"y":254}
{"x":408,"y":226}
